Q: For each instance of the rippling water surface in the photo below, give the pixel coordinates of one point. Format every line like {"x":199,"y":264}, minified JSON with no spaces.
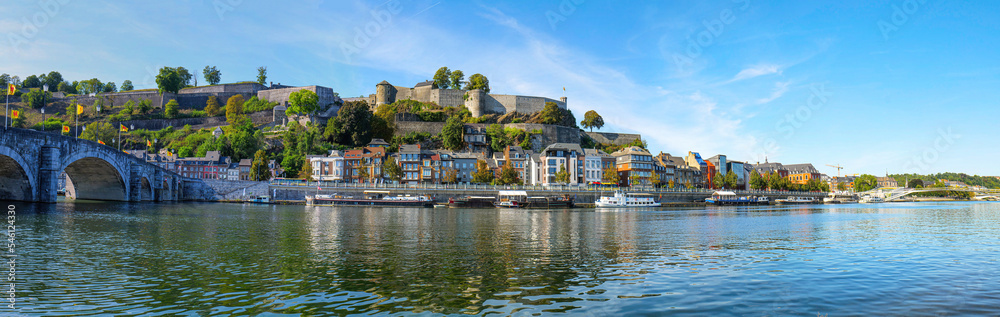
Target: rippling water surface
{"x":222,"y":259}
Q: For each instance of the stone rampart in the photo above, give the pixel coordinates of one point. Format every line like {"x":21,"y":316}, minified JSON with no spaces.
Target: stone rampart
{"x":613,"y":138}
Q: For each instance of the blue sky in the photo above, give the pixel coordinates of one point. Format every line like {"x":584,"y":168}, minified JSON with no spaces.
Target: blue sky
{"x":897,"y":86}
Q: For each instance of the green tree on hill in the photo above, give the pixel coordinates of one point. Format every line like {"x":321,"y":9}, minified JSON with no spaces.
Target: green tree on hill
{"x":127,"y":85}
{"x":212,"y":106}
{"x":551,"y":114}
{"x":457,"y":76}
{"x":592,"y":120}
{"x":212,"y":75}
{"x":453,"y":134}
{"x":234,"y":110}
{"x":442,"y":78}
{"x":478,"y":81}
{"x":302,"y":102}
{"x":169,"y":80}
{"x":170,"y":109}
{"x":262,"y":75}
{"x":186,"y":78}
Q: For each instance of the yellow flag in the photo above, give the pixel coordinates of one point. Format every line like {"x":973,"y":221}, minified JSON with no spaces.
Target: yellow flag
{"x":11,"y":89}
{"x":149,"y":143}
{"x":79,"y":109}
{"x":16,"y":114}
{"x":101,"y":142}
{"x":65,"y":129}
{"x":123,"y":128}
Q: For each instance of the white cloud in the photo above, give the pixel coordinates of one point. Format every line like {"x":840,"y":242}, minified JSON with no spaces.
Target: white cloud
{"x":756,"y":71}
{"x":780,"y":88}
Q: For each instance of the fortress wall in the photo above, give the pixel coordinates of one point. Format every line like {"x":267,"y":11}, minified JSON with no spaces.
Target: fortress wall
{"x":404,"y":127}
{"x":258,"y":118}
{"x":403,"y":93}
{"x":245,"y":88}
{"x":613,"y":138}
{"x":422,"y":94}
{"x":448,"y":97}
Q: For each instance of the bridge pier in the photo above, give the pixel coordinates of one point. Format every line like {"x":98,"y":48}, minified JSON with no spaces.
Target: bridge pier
{"x":48,"y":174}
{"x":134,"y":182}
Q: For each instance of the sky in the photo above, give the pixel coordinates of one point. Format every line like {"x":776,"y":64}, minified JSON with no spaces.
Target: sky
{"x":886,"y":87}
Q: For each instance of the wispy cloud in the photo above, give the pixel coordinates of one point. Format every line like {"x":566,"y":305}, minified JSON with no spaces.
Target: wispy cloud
{"x":780,"y":88}
{"x":756,"y":71}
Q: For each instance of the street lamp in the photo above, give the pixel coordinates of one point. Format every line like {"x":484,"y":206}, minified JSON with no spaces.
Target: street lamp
{"x":43,"y":119}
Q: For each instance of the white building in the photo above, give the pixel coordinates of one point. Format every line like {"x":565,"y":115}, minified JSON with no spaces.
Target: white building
{"x":559,"y":156}
{"x":328,"y":168}
{"x":593,"y":170}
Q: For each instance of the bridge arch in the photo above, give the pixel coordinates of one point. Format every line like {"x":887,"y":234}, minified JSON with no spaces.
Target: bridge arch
{"x":17,"y":179}
{"x":145,"y":190}
{"x":95,"y":178}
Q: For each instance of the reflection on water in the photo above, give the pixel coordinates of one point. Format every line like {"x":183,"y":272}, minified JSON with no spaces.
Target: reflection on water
{"x":90,"y":258}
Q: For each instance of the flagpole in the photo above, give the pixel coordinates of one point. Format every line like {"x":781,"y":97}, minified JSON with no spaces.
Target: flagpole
{"x":6,"y":109}
{"x":76,"y":117}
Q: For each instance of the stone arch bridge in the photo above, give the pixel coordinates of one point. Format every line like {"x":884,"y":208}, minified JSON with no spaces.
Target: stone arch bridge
{"x":31,"y":162}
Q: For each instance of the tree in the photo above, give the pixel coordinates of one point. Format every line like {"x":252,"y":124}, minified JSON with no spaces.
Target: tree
{"x":63,"y":87}
{"x":145,"y":106}
{"x":756,"y":181}
{"x":127,"y":85}
{"x":551,"y":114}
{"x":102,"y":131}
{"x":212,"y":75}
{"x":262,"y":75}
{"x":498,"y":139}
{"x":457,"y":77}
{"x":483,"y":173}
{"x":718,"y":181}
{"x":562,"y":176}
{"x":305,"y":172}
{"x":302,"y":101}
{"x":654,"y":179}
{"x":186,"y":77}
{"x":53,"y":79}
{"x":478,"y":81}
{"x":258,"y":169}
{"x":442,"y":78}
{"x":169,"y":80}
{"x":170,"y":109}
{"x":392,"y":169}
{"x":453,"y":134}
{"x":842,"y":186}
{"x":865,"y":183}
{"x":730,"y":179}
{"x":915,"y":182}
{"x":592,"y":120}
{"x":611,"y":176}
{"x":35,"y":99}
{"x":671,"y":184}
{"x":31,"y":82}
{"x":449,"y":175}
{"x":363,"y":173}
{"x":508,"y":175}
{"x":234,"y":110}
{"x":110,"y":87}
{"x":352,"y":124}
{"x":212,"y":106}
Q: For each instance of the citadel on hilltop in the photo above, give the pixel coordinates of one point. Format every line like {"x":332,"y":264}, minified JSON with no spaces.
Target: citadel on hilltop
{"x":477,"y":101}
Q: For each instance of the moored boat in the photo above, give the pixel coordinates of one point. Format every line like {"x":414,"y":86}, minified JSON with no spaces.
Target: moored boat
{"x":730,"y":198}
{"x":520,"y":199}
{"x":370,"y":198}
{"x":472,"y":202}
{"x":797,"y":200}
{"x":624,"y":200}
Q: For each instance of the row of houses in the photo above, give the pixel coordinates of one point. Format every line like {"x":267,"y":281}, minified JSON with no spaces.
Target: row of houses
{"x":211,"y":166}
{"x":634,"y":166}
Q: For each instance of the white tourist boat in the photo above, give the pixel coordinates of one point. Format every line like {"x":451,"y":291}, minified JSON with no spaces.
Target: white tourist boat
{"x":624,"y":200}
{"x":871,"y":200}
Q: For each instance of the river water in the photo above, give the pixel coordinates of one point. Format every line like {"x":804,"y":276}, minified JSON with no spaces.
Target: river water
{"x":911,"y":259}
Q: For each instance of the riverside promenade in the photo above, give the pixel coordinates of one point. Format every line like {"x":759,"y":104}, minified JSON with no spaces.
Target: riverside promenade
{"x":295,"y":191}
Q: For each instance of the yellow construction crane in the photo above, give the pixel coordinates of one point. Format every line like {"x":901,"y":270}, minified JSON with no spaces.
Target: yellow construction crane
{"x":838,"y":167}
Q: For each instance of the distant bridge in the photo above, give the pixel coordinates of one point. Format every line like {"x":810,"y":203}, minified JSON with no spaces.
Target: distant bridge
{"x":31,"y":162}
{"x":899,"y":193}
